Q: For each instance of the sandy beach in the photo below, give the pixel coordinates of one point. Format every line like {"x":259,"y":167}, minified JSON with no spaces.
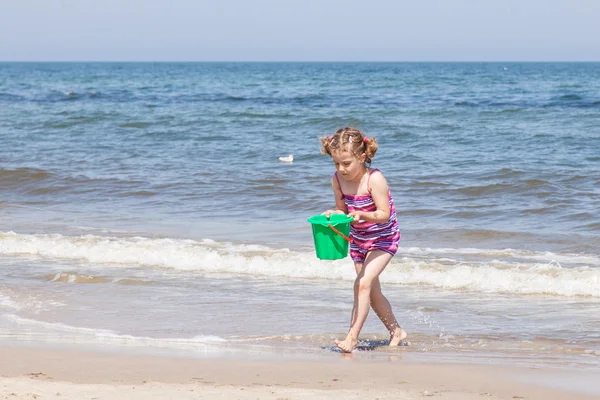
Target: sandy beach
{"x":33,"y":373}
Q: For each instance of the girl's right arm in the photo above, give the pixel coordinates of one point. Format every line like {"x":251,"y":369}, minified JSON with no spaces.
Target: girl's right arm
{"x":340,"y":205}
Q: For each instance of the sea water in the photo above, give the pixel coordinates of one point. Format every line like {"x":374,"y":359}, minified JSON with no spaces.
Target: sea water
{"x":143,"y":206}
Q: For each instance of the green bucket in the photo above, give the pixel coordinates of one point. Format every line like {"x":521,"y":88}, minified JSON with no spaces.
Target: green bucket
{"x":331,"y":235}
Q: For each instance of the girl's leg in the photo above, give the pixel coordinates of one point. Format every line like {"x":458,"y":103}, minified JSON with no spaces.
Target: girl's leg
{"x":374,"y":264}
{"x":358,"y":266}
{"x":383,"y":309}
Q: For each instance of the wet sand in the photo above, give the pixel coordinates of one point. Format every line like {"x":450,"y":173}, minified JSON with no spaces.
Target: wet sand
{"x":32,"y":373}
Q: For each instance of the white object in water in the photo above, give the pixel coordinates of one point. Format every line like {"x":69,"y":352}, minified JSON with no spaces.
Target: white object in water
{"x":287,"y":159}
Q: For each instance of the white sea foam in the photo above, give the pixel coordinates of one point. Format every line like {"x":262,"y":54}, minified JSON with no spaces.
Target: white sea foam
{"x":24,"y":300}
{"x":550,"y":278}
{"x":7,"y":303}
{"x":26,"y":328}
{"x":531,"y":272}
{"x":588,"y":259}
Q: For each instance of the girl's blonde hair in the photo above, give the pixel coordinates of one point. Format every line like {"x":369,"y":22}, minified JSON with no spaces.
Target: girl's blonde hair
{"x":352,"y":140}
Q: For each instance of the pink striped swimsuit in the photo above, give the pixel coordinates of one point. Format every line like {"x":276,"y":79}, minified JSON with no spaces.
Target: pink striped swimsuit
{"x":368,"y":236}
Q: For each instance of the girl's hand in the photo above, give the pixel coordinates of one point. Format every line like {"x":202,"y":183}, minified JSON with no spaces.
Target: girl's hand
{"x":357,"y":215}
{"x":329,"y":212}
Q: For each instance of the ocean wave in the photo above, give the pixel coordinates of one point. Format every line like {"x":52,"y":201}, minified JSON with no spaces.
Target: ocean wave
{"x":62,"y":333}
{"x":506,"y":271}
{"x":38,"y":182}
{"x":508,"y":173}
{"x":20,"y":176}
{"x":561,"y":101}
{"x":76,"y":278}
{"x":525,"y":186}
{"x":7,"y":303}
{"x":569,"y":97}
{"x":546,"y":256}
{"x":14,"y":301}
{"x":138,"y":124}
{"x":10,"y":97}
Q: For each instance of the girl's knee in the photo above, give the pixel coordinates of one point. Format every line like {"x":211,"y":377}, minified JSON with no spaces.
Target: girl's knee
{"x":363,"y":285}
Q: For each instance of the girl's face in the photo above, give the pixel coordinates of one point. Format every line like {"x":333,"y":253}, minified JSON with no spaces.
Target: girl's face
{"x":348,"y":165}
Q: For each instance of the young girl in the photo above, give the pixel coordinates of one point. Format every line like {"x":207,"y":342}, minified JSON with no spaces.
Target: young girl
{"x":363,"y":193}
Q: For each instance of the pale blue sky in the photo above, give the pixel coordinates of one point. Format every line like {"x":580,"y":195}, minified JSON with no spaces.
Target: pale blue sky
{"x":299,"y":30}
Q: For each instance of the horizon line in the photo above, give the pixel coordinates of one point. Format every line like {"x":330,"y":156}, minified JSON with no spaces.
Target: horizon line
{"x":299,"y":61}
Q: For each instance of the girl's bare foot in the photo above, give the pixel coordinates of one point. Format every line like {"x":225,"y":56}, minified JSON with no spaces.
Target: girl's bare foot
{"x":397,"y":336}
{"x":347,"y":345}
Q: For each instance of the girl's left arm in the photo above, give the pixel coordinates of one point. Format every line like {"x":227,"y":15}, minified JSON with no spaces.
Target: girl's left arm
{"x":379,"y":193}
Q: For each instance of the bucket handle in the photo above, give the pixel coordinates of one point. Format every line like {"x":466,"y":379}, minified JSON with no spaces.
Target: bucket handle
{"x":340,"y":233}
